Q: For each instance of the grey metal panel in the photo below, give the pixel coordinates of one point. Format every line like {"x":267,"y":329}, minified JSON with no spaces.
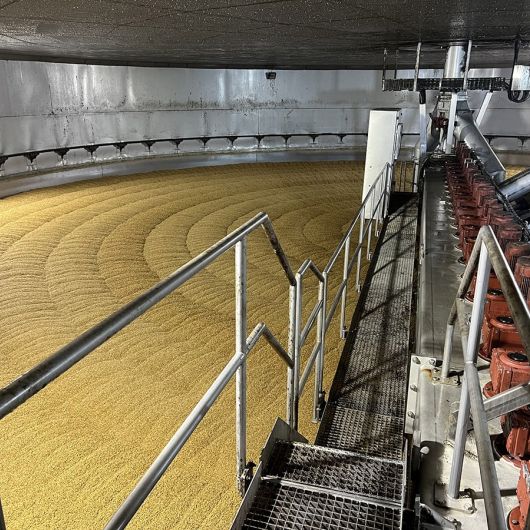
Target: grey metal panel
{"x":49,"y":105}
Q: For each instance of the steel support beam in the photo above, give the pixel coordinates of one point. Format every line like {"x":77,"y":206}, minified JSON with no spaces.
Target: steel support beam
{"x":483,"y":108}
{"x":512,"y":399}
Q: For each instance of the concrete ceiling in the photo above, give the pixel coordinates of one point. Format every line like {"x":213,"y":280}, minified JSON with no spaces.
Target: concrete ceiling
{"x":258,"y":34}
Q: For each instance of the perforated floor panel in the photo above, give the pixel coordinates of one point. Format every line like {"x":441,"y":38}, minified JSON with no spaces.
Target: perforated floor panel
{"x":366,"y":409}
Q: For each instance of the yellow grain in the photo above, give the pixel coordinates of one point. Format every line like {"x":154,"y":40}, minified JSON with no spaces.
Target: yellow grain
{"x":70,"y":255}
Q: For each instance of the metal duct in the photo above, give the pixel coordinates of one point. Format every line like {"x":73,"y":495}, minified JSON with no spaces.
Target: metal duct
{"x":466,"y":130}
{"x":518,"y":186}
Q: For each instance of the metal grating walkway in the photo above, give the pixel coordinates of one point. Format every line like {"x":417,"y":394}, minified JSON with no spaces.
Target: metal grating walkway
{"x":354,"y":477}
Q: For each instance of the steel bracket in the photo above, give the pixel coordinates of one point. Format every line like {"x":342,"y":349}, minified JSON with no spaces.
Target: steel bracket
{"x":465,"y":503}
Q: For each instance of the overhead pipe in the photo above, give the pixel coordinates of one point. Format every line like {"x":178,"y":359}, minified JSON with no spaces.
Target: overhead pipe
{"x":518,"y":186}
{"x":466,"y":130}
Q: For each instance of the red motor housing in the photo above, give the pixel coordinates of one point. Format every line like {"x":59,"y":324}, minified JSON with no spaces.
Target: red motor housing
{"x":516,"y":429}
{"x":508,"y":368}
{"x":519,"y":515}
{"x":499,"y":332}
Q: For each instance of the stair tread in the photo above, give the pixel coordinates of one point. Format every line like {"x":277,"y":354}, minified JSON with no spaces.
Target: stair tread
{"x":338,"y":470}
{"x":363,"y":432}
{"x":284,"y":507}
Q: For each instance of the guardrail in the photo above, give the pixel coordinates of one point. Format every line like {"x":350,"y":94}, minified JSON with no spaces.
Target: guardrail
{"x":405,"y":173}
{"x":486,"y":253}
{"x":371,"y":212}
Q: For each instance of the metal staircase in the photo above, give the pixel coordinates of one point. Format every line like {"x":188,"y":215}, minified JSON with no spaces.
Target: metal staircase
{"x":355,"y":475}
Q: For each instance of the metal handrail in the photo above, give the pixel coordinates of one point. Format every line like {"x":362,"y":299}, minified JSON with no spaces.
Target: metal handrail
{"x":151,"y":477}
{"x":320,"y":315}
{"x":485,"y":254}
{"x":38,"y":377}
{"x":30,"y":383}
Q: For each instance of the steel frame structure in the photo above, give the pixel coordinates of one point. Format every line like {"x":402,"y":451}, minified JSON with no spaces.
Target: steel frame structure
{"x":486,"y":254}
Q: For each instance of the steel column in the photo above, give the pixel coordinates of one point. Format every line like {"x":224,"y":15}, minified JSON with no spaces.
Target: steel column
{"x":241,"y":374}
{"x":451,"y":124}
{"x":477,"y":314}
{"x":423,"y":125}
{"x":417,"y":67}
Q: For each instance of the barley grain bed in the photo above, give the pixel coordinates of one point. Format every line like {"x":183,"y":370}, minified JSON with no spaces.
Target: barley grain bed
{"x":70,"y":255}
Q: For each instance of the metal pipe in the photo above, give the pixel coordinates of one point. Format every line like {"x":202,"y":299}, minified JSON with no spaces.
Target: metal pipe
{"x":334,"y":305}
{"x":473,"y":341}
{"x":151,"y":477}
{"x":321,"y":332}
{"x":423,"y":125}
{"x":467,"y":277}
{"x":488,"y":473}
{"x":241,"y":374}
{"x":383,"y":78}
{"x":466,"y":69}
{"x":369,"y":241}
{"x":307,"y":370}
{"x":516,"y":302}
{"x":345,"y":276}
{"x":511,"y":399}
{"x":310,"y":322}
{"x":292,"y":379}
{"x":482,"y":110}
{"x":297,"y":345}
{"x":417,"y":67}
{"x":2,"y":519}
{"x":262,"y":330}
{"x":455,"y":61}
{"x":448,"y":350}
{"x":451,"y":124}
{"x":516,"y":187}
{"x":278,"y":250}
{"x":466,"y":130}
{"x":359,"y":215}
{"x":309,"y":265}
{"x":359,"y":256}
{"x":38,"y":377}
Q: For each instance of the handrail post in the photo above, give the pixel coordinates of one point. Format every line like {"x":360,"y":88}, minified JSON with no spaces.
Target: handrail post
{"x":2,"y":520}
{"x":296,"y":349}
{"x":486,"y":462}
{"x":448,"y":351}
{"x":386,"y":198}
{"x":292,"y":377}
{"x":379,"y":189}
{"x":360,"y":253}
{"x":241,"y":374}
{"x":470,"y":355}
{"x":319,"y":362}
{"x":345,"y":291}
{"x":369,"y":239}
